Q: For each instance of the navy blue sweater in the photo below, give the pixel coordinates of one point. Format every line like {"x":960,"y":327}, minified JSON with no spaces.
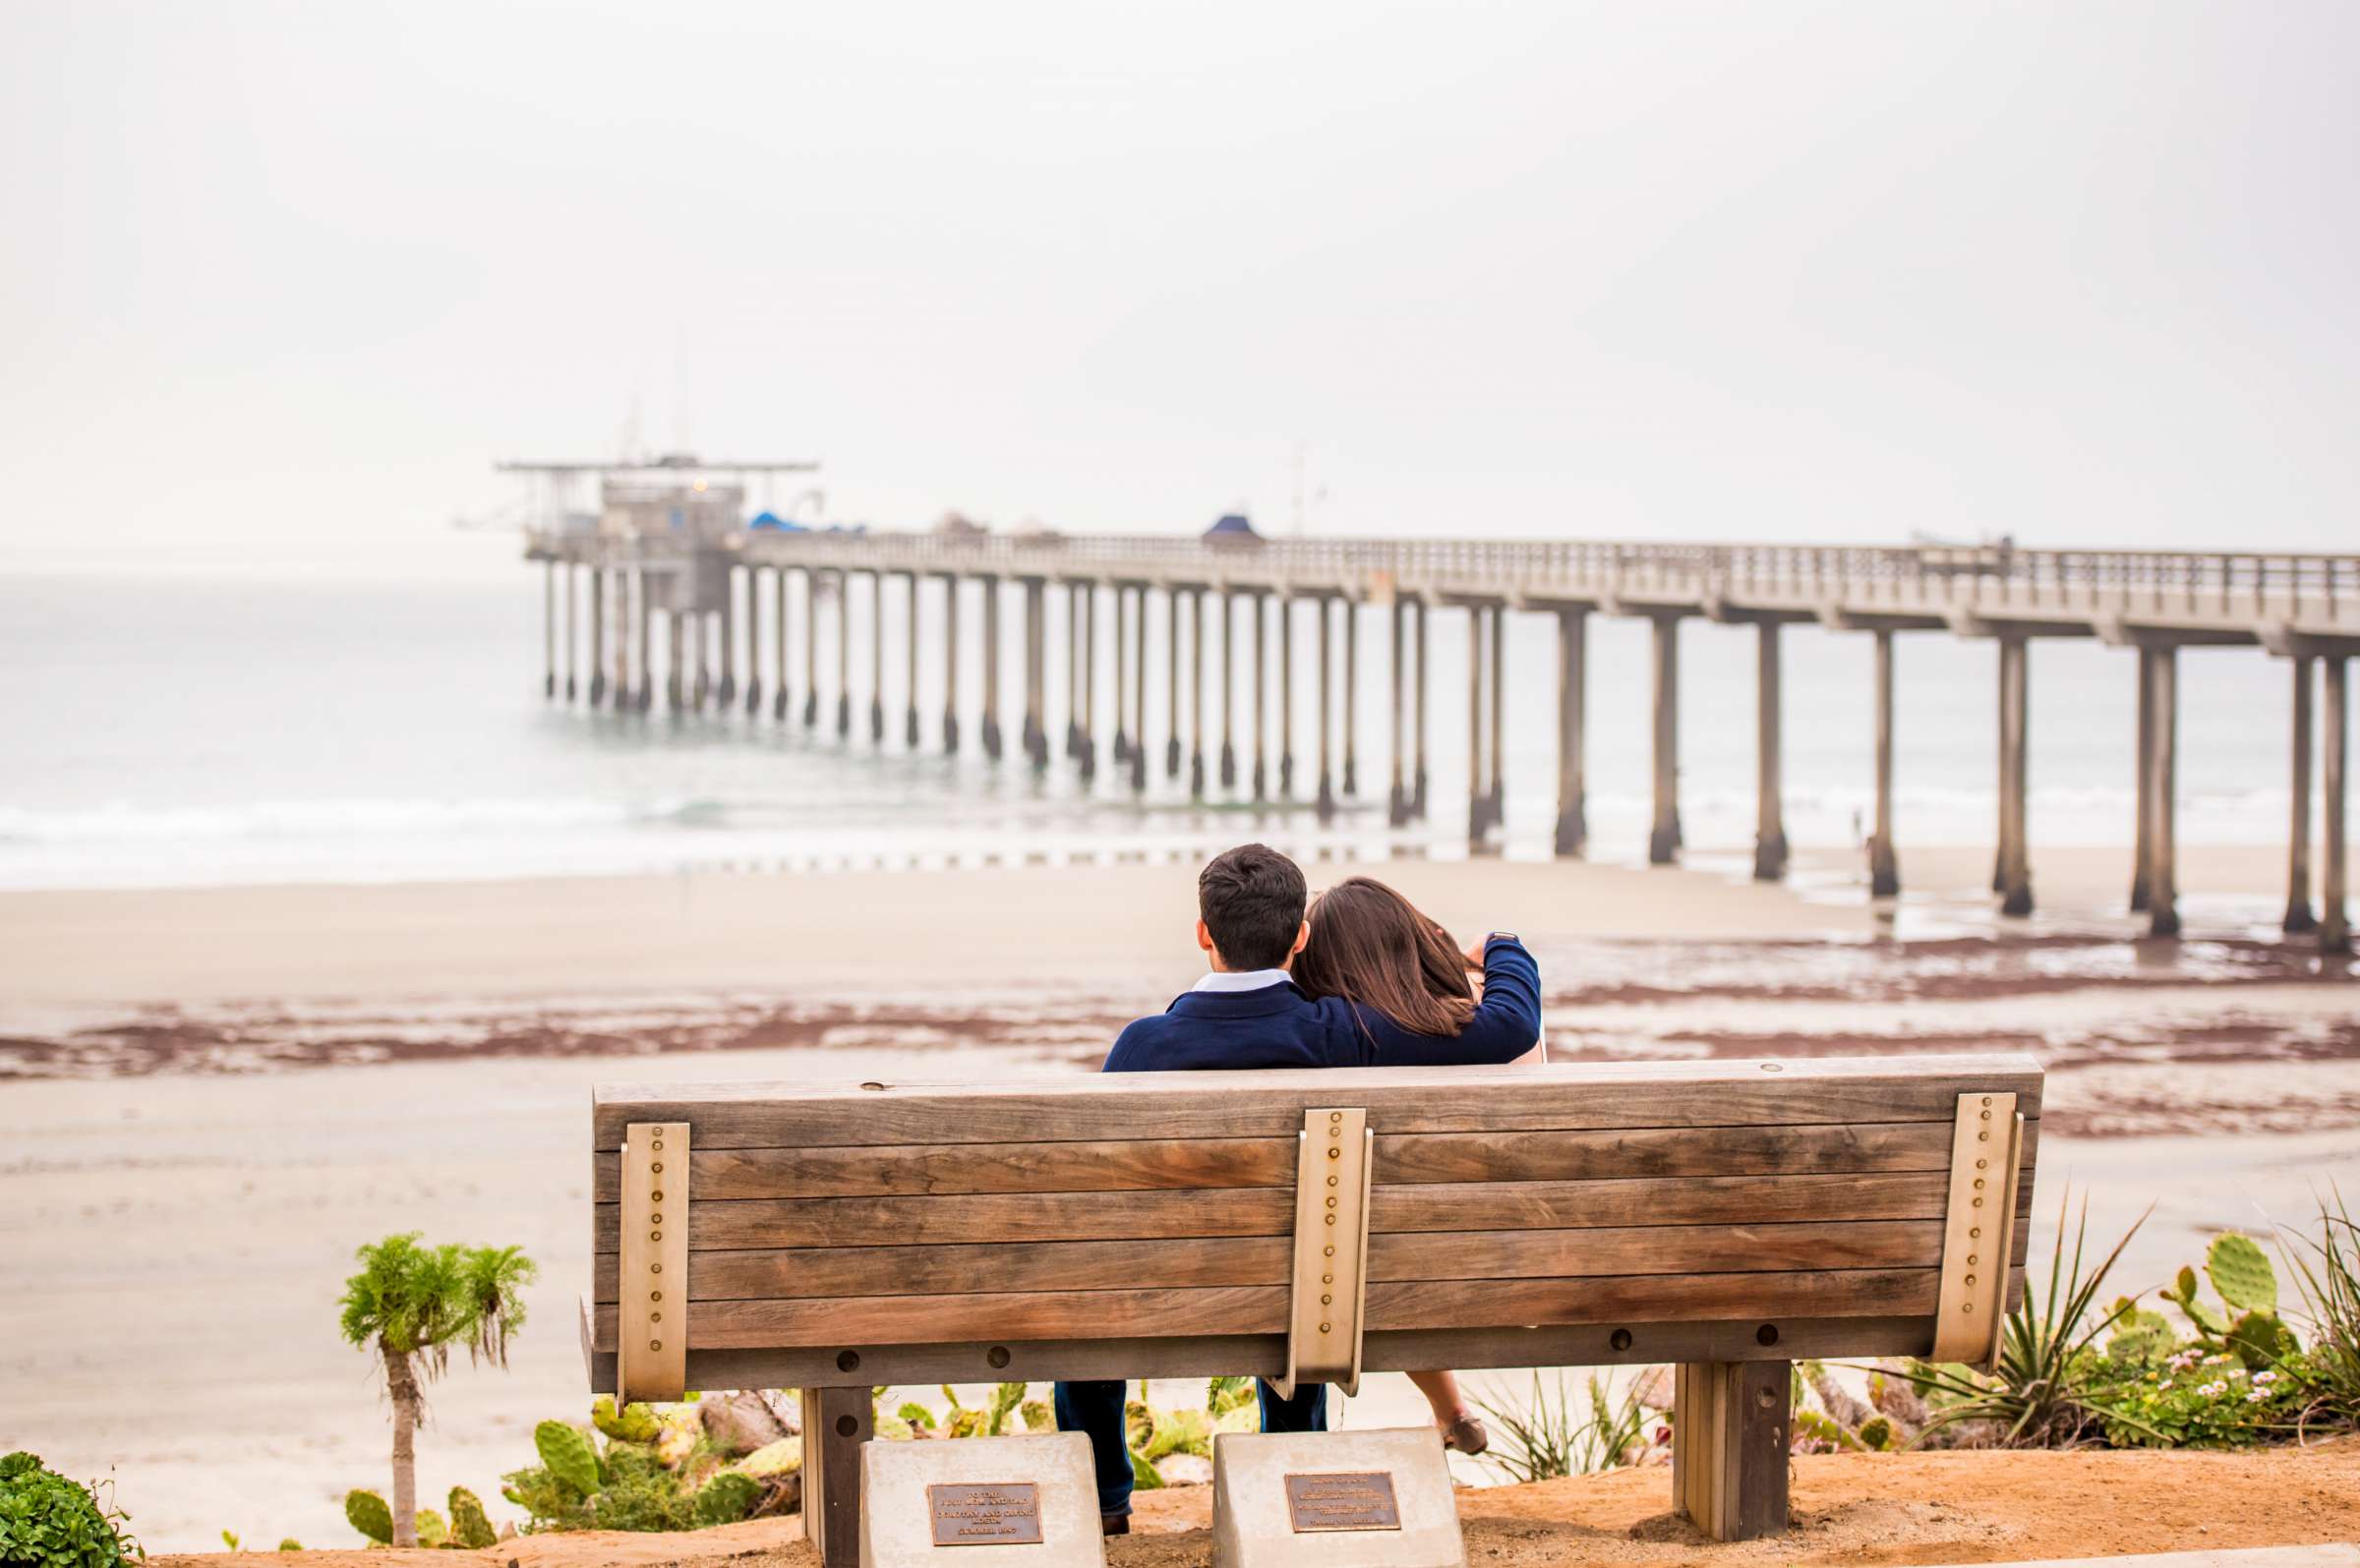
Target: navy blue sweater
{"x":1279,"y":1027}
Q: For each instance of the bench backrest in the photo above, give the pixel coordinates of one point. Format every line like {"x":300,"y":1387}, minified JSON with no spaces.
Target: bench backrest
{"x":1173,"y":1224}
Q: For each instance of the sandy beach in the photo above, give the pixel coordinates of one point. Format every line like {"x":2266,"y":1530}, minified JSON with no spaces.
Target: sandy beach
{"x":218,"y":1095}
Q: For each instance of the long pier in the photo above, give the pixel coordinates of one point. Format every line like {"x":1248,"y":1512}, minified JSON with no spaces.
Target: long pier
{"x":2303,"y":608}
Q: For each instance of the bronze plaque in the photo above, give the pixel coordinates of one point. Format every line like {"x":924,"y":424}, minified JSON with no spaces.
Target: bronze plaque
{"x":998,"y":1514}
{"x":1346,"y":1499}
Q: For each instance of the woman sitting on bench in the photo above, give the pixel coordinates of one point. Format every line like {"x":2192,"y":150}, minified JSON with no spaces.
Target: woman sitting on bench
{"x":1375,"y":950}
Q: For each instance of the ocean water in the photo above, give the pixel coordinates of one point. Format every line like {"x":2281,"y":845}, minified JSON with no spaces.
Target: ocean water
{"x":187,"y":732}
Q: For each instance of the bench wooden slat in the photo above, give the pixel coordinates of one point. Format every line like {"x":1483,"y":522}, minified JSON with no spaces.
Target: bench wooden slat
{"x":1270,"y":1104}
{"x":887,"y":1222}
{"x":1149,"y":1164}
{"x":810,"y":1273}
{"x":1263,"y":1309}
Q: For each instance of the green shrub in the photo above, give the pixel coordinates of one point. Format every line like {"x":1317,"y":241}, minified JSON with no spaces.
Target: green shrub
{"x":49,"y":1522}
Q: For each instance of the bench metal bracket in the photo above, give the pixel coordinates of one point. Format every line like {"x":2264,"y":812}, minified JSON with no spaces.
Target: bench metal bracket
{"x":1333,"y":1159}
{"x":1979,"y":1234}
{"x":651,"y":1340}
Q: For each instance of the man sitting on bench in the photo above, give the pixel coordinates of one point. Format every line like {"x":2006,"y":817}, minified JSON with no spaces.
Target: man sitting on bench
{"x":1249,"y":1012}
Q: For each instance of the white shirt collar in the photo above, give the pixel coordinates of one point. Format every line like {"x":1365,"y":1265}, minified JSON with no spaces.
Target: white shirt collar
{"x":1242,"y":980}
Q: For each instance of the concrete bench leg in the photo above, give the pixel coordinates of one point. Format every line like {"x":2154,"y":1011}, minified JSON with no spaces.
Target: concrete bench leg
{"x":836,"y":1422}
{"x":1731,"y":1422}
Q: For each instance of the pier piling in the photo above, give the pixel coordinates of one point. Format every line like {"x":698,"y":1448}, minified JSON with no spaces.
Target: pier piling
{"x":1417,"y":793}
{"x":1663,"y":842}
{"x":1228,"y":694}
{"x":2299,"y":920}
{"x":1262,"y":777}
{"x":991,"y":669}
{"x":1196,"y":695}
{"x":1286,"y":695}
{"x":2334,"y":921}
{"x":909,"y":726}
{"x":728,"y":636}
{"x":1086,"y":735}
{"x":1122,"y":675}
{"x":1326,"y":796}
{"x":1573,"y":812}
{"x":778,"y":650}
{"x":2014,"y":882}
{"x":548,"y":629}
{"x":1171,"y":671}
{"x":876,"y":658}
{"x":1884,"y":867}
{"x":2163,"y":881}
{"x":1770,"y":825}
{"x":1351,"y":698}
{"x":598,"y":636}
{"x":1479,"y":799}
{"x":811,"y":598}
{"x":2142,"y":841}
{"x":1495,"y":811}
{"x":844,"y":655}
{"x":950,"y":663}
{"x":676,"y":689}
{"x":1139,"y":691}
{"x":570,"y":634}
{"x":1397,"y":796}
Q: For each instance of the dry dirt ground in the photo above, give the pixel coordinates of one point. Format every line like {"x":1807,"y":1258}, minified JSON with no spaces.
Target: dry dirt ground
{"x":1848,"y":1509}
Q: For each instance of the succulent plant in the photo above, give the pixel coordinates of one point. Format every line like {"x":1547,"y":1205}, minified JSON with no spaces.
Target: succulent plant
{"x":727,"y":1497}
{"x":636,"y":1423}
{"x":2240,"y":1272}
{"x":1038,"y":1417}
{"x":782,"y":1458}
{"x":470,"y":1526}
{"x":367,"y":1513}
{"x":290,"y":1544}
{"x":567,"y":1455}
{"x":432,"y":1530}
{"x":917,"y":1415}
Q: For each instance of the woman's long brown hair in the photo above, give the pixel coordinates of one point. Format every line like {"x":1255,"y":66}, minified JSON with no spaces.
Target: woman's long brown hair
{"x":1369,"y":946}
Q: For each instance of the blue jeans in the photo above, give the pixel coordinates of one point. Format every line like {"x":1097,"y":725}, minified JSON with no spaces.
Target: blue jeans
{"x":1097,"y":1410}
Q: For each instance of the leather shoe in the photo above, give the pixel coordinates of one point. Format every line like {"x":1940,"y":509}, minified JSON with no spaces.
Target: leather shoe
{"x":1114,"y":1523}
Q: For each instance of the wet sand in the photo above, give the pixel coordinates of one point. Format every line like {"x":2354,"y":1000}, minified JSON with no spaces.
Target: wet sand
{"x":218,"y":1096}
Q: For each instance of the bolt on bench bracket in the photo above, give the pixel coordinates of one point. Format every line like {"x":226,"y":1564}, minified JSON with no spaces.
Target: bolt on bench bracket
{"x":1978,"y":1233}
{"x":1330,"y":1285}
{"x":652,"y":1296}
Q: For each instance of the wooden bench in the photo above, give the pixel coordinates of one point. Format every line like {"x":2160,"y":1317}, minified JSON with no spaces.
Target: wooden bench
{"x":1728,"y":1218}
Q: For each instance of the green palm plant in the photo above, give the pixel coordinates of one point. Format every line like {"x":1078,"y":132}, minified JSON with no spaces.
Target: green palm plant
{"x":2046,"y":1389}
{"x":410,"y":1305}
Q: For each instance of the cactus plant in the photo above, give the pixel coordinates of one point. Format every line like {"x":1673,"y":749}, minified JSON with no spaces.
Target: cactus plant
{"x":727,"y":1497}
{"x":567,"y":1455}
{"x":432,"y":1530}
{"x":470,"y":1526}
{"x":290,"y":1544}
{"x":1038,"y":1417}
{"x":367,"y":1513}
{"x":636,"y":1422}
{"x":2241,"y":1274}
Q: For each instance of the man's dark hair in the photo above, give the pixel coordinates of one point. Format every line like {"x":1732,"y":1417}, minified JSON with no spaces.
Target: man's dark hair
{"x":1252,"y":899}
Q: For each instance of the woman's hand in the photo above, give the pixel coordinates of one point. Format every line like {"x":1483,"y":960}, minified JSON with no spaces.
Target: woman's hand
{"x":1474,"y":954}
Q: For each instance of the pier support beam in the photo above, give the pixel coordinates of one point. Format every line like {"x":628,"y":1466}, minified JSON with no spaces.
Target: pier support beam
{"x":991,"y":669}
{"x":950,"y":663}
{"x":1351,"y":698}
{"x":1286,"y":696}
{"x":753,"y":640}
{"x":598,"y":636}
{"x":1262,"y":776}
{"x":2143,"y":843}
{"x":675,"y":685}
{"x":2334,"y":921}
{"x":1770,"y":814}
{"x":2163,"y":791}
{"x":548,"y":629}
{"x":1396,"y":795}
{"x":1122,"y":675}
{"x":1662,"y":843}
{"x":2299,"y":918}
{"x":1479,"y":799}
{"x":1496,"y":810}
{"x":622,"y":639}
{"x":1326,"y":797}
{"x":1196,"y":695}
{"x":1086,"y":735}
{"x":1172,"y":673}
{"x":909,"y":726}
{"x":1139,"y":691}
{"x":778,"y":651}
{"x":700,"y":631}
{"x":844,"y":655}
{"x":2015,"y":879}
{"x":876,"y":658}
{"x":570,"y":687}
{"x":1572,"y":810}
{"x":1228,"y":692}
{"x":812,"y":597}
{"x":1417,"y":789}
{"x":643,"y":696}
{"x":1037,"y":656}
{"x":1884,"y":867}
{"x":1073,"y":671}
{"x":728,"y":636}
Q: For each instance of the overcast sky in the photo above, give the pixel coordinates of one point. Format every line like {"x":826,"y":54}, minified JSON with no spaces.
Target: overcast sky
{"x":279,"y":282}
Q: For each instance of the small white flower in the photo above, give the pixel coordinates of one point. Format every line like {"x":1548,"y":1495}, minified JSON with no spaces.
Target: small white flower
{"x":2266,"y":1377}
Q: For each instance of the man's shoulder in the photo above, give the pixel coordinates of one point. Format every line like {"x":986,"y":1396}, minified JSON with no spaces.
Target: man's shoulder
{"x":1138,"y":1038}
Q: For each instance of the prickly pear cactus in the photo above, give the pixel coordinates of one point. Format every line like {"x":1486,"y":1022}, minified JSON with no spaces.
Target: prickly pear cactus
{"x":2183,"y":1294}
{"x":637,"y":1422}
{"x":367,"y":1513}
{"x":2240,"y":1272}
{"x":470,"y":1526}
{"x":569,"y":1456}
{"x":2261,"y":1341}
{"x":727,"y":1498}
{"x":1038,"y":1417}
{"x":432,"y":1530}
